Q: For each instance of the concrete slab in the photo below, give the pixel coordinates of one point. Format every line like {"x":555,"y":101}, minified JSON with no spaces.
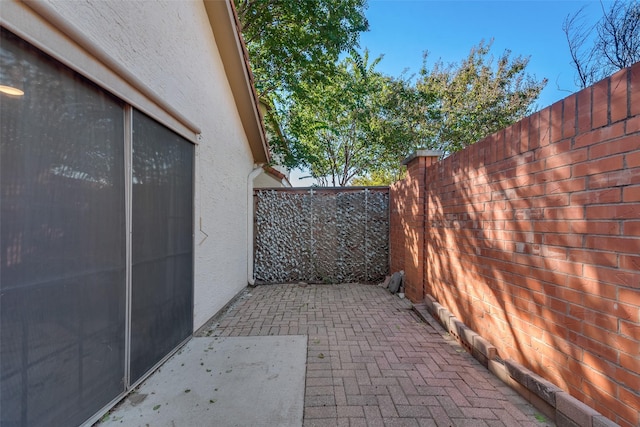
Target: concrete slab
{"x":230,"y":381}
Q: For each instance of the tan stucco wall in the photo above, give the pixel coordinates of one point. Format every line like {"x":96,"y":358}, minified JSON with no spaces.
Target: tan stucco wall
{"x":170,"y":47}
{"x":264,"y":180}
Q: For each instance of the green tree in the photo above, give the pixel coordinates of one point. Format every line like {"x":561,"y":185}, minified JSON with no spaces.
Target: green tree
{"x":344,"y":119}
{"x":380,"y":177}
{"x":344,"y":127}
{"x":290,"y":42}
{"x":481,"y":95}
{"x":407,"y":116}
{"x":361,"y":124}
{"x":293,"y":45}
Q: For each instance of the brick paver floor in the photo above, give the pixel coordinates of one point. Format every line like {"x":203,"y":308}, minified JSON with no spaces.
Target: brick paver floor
{"x":372,"y":362}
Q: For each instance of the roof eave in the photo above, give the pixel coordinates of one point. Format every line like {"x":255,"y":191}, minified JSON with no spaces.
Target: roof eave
{"x":226,"y":30}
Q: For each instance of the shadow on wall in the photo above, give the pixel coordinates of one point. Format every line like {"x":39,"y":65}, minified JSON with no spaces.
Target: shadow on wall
{"x":407,"y":227}
{"x":532,"y":240}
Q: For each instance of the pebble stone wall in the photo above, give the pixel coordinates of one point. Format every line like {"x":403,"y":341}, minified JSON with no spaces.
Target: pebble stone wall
{"x":321,"y":235}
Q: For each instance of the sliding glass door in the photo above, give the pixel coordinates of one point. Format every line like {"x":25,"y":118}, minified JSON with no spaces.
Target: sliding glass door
{"x":62,"y":237}
{"x":162,"y":254}
{"x":79,"y":324}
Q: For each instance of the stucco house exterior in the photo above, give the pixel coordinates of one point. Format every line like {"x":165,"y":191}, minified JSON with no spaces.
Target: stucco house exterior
{"x":272,"y":177}
{"x":127,"y":170}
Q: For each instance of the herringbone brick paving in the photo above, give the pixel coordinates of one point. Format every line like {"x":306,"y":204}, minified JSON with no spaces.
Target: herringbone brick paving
{"x":372,"y":362}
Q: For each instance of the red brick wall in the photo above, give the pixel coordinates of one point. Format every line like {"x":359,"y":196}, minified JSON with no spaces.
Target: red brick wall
{"x":533,"y":240}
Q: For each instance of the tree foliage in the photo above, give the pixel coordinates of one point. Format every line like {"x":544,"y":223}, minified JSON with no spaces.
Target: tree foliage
{"x":361,"y":123}
{"x":346,"y":126}
{"x":292,"y":46}
{"x":344,"y":119}
{"x":616,"y":44}
{"x":297,"y":41}
{"x":469,"y":101}
{"x":380,"y":177}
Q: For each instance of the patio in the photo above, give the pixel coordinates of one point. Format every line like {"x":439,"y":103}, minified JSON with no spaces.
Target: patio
{"x":364,"y":367}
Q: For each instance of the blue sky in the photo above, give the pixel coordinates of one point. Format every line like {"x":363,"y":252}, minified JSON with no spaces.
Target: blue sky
{"x":403,"y":29}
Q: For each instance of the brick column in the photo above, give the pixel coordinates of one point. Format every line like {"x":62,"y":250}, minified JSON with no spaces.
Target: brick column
{"x":408,"y":223}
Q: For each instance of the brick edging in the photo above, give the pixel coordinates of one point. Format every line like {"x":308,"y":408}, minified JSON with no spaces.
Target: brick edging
{"x":547,"y":397}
